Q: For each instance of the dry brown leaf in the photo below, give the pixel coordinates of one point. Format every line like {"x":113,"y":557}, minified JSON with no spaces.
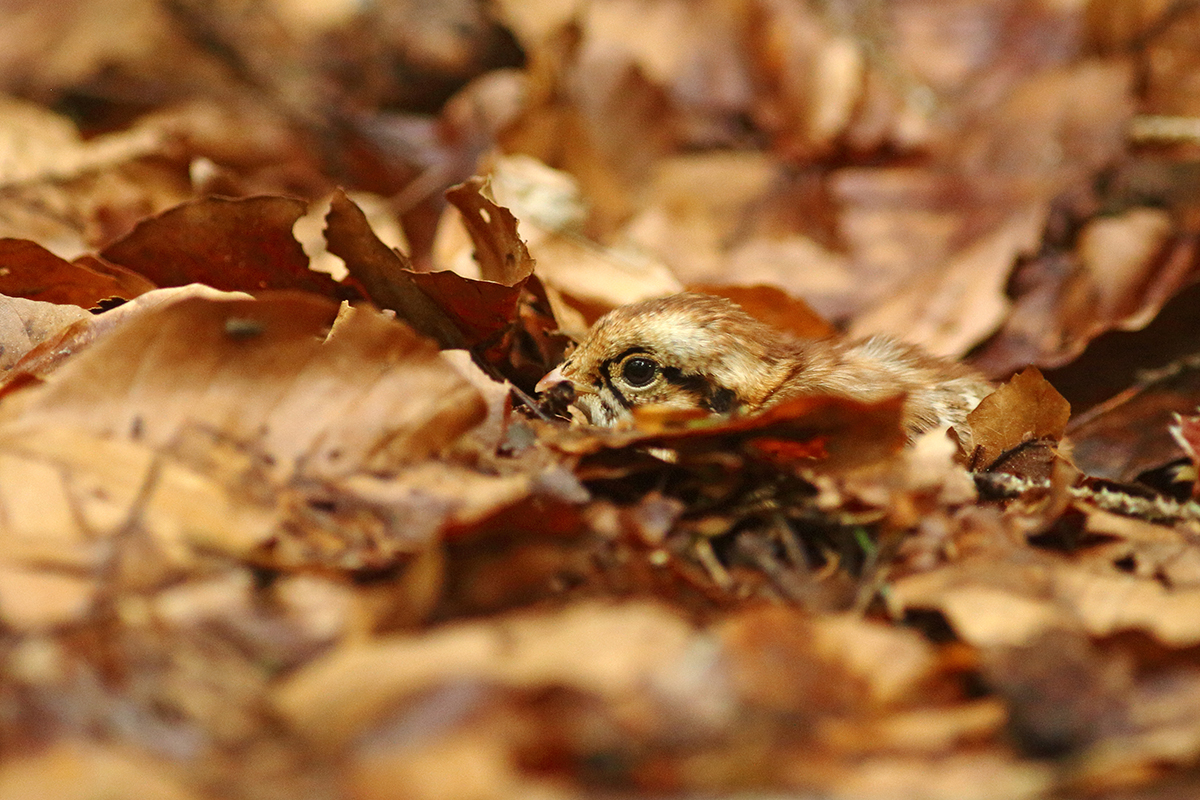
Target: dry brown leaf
{"x":33,"y":272}
{"x":613,"y":651}
{"x":33,"y":601}
{"x":553,"y":212}
{"x":950,"y":307}
{"x":77,"y":331}
{"x":1119,"y":254}
{"x":39,"y":145}
{"x":385,"y":274}
{"x":1122,"y":272}
{"x":68,"y":193}
{"x":965,"y":776}
{"x":1025,"y":409}
{"x":257,"y":373}
{"x":993,"y":602}
{"x":929,"y":731}
{"x":816,"y":76}
{"x":80,"y":489}
{"x":499,"y":250}
{"x":77,"y":770}
{"x":823,"y":433}
{"x":1041,"y":138}
{"x":25,"y":324}
{"x":801,"y":266}
{"x":1129,"y":434}
{"x":784,"y":659}
{"x":1107,"y":604}
{"x":508,"y":327}
{"x":234,"y":245}
{"x":696,"y":206}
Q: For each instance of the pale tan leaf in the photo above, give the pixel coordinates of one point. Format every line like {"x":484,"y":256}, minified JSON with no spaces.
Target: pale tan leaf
{"x":373,"y":395}
{"x":608,"y":650}
{"x":33,"y":600}
{"x":1024,"y":409}
{"x":37,"y":145}
{"x":24,"y":324}
{"x":89,"y":771}
{"x":955,"y":305}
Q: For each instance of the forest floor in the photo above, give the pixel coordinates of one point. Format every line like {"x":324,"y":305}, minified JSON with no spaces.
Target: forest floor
{"x":281,"y":518}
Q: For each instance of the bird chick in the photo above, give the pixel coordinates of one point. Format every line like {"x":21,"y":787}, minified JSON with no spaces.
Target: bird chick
{"x":698,"y":352}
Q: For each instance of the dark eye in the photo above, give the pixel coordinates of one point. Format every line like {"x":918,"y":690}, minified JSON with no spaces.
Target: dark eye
{"x":639,"y":371}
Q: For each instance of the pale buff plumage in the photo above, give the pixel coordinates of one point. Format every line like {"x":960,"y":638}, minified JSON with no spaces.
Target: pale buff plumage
{"x":707,"y":353}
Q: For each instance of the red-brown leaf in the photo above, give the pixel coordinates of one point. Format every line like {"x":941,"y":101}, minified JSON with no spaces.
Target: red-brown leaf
{"x":235,"y":245}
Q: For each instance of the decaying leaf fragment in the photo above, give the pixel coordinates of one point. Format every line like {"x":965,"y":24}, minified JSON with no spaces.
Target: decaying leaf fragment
{"x":71,"y":330}
{"x":1025,"y":412}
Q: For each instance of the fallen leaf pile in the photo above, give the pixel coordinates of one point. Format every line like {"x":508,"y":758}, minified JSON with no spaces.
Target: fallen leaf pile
{"x":282,"y":517}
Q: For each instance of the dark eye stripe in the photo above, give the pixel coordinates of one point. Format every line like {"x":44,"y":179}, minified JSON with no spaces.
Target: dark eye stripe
{"x":606,"y":376}
{"x":711,"y":396}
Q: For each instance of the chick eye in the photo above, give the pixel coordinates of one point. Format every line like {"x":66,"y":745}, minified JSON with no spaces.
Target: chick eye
{"x":639,"y":371}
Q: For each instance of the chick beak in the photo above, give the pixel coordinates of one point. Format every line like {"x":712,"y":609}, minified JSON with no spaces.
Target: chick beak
{"x":555,"y":381}
{"x":551,"y":379}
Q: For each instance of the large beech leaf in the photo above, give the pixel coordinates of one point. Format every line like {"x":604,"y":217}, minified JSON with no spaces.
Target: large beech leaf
{"x":375,"y":394}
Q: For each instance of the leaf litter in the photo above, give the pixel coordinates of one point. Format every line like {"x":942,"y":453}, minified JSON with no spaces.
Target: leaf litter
{"x":259,"y":542}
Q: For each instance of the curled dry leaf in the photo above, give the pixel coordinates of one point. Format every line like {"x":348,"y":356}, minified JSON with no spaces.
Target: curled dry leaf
{"x":1130,"y":433}
{"x":950,"y":307}
{"x":993,"y":601}
{"x":501,"y":254}
{"x":235,"y":245}
{"x":1122,"y":271}
{"x":553,"y":211}
{"x":385,"y":273}
{"x":508,"y":327}
{"x":1025,"y":410}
